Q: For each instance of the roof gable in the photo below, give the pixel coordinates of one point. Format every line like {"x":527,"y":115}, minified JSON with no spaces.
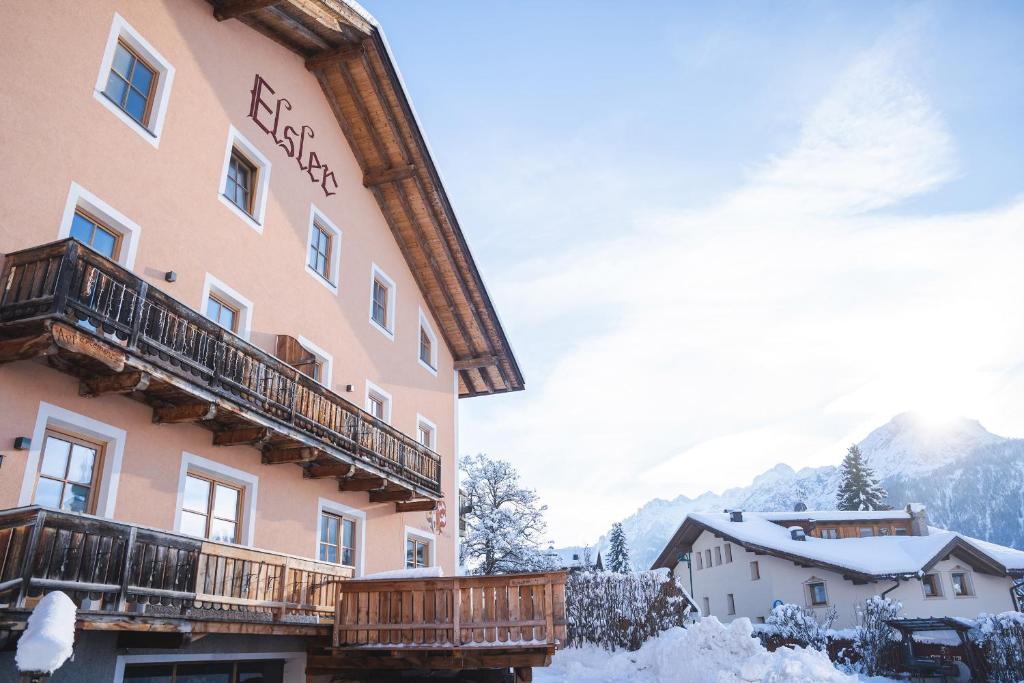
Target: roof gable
{"x":344,"y":48}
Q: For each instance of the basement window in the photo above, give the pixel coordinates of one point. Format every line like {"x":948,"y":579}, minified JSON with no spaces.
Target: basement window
{"x":830,"y":533}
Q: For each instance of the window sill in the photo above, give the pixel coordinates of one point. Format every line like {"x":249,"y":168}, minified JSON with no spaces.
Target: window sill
{"x":331,"y":286}
{"x":249,"y":219}
{"x":427,"y":366}
{"x":383,"y":330}
{"x":145,"y":133}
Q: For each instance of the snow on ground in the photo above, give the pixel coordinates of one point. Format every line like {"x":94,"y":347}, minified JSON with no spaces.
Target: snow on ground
{"x":706,"y":652}
{"x":50,"y":636}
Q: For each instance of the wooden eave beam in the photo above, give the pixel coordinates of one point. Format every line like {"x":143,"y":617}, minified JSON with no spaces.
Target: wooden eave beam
{"x":334,"y":469}
{"x":362,"y":484}
{"x":23,"y":348}
{"x":296,"y":26}
{"x":241,"y":436}
{"x":416,"y":506}
{"x":124,"y":383}
{"x":236,"y":8}
{"x":188,"y":412}
{"x":328,"y":57}
{"x":476,"y":363}
{"x":281,"y":456}
{"x":390,"y":495}
{"x":381,"y":176}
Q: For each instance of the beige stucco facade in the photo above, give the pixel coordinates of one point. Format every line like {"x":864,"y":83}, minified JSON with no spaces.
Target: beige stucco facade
{"x":56,"y":135}
{"x":781,"y":579}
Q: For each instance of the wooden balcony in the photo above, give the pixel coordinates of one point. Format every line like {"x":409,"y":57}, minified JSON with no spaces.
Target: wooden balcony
{"x":464,"y":622}
{"x":131,"y":578}
{"x":88,"y":316}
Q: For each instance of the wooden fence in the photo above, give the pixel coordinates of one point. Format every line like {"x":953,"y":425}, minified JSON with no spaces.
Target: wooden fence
{"x":507,"y":611}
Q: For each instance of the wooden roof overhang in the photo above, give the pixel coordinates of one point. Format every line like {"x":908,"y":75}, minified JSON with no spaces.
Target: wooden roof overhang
{"x":346,"y":51}
{"x":691,"y":529}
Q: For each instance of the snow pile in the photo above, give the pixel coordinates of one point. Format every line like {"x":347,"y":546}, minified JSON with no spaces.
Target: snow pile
{"x":419,"y":573}
{"x":799,"y":625}
{"x":705,"y":652}
{"x":48,"y":640}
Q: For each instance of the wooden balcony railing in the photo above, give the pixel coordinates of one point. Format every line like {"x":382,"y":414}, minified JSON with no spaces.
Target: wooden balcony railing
{"x":507,"y":612}
{"x":68,"y":282}
{"x":107,"y":566}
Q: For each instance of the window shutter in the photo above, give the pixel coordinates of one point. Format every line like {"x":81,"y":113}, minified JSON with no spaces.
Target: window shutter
{"x":292,"y":352}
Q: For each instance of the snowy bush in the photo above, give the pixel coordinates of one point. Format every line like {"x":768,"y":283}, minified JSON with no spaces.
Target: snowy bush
{"x":799,"y":625}
{"x":621,"y":610}
{"x":876,"y":640}
{"x":1000,"y":637}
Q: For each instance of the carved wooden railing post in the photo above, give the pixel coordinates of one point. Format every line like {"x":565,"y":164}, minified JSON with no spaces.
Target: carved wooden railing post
{"x":30,"y":556}
{"x":456,"y":613}
{"x":126,"y":563}
{"x":140,"y":293}
{"x":282,"y":591}
{"x":62,"y":286}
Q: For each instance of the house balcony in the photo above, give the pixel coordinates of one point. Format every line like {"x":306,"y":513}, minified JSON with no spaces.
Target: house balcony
{"x":86,"y":315}
{"x":155,"y":586}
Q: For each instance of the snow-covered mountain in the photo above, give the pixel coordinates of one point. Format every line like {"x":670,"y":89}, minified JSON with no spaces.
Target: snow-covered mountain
{"x":971,"y":481}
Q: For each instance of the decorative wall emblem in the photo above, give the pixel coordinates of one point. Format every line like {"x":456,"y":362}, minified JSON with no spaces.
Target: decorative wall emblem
{"x":294,"y":141}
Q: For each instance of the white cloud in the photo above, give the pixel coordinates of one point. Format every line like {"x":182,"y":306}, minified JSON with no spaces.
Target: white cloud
{"x":775,"y":325}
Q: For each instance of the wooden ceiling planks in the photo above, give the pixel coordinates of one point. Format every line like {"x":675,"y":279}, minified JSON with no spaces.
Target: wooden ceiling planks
{"x":346,"y":53}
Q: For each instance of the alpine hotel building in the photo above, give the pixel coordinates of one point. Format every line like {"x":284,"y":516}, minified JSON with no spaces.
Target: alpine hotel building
{"x":237,"y":313}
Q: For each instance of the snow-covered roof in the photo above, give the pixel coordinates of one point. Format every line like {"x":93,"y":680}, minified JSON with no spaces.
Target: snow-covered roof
{"x":874,"y":557}
{"x":835,"y":515}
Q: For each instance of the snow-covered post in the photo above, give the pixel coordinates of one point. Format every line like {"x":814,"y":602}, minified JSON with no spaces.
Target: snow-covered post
{"x":49,"y":639}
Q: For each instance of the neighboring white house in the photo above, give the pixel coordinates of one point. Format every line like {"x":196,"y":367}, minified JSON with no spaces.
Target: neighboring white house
{"x":742,"y":563}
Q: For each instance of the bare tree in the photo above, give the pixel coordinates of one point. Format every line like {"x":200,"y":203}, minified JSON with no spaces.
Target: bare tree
{"x":506,"y":523}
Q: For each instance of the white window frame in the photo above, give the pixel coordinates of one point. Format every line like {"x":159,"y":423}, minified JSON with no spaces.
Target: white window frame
{"x":372,"y":388}
{"x":326,"y":360}
{"x":50,"y":416}
{"x":420,"y":420}
{"x":212,"y":285}
{"x":941,"y":594}
{"x":335,"y":508}
{"x":122,"y":30}
{"x":255,"y":157}
{"x":377,"y":273}
{"x":424,"y":537}
{"x":294,"y":662}
{"x":249,"y":483}
{"x":318,"y":217}
{"x":810,"y":594}
{"x":80,"y":198}
{"x":429,"y":329}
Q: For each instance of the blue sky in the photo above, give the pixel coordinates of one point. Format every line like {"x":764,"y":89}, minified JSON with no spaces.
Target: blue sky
{"x":723,"y":236}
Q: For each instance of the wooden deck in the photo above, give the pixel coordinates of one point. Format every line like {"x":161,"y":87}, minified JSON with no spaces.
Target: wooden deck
{"x":465,"y":622}
{"x":84,"y":314}
{"x":132,"y":578}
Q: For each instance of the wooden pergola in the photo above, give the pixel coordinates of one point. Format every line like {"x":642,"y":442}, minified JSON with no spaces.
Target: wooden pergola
{"x":346,"y":51}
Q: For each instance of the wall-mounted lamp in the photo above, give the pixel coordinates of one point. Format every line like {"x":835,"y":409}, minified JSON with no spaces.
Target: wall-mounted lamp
{"x":350,"y":388}
{"x":170,"y":276}
{"x":22,"y":443}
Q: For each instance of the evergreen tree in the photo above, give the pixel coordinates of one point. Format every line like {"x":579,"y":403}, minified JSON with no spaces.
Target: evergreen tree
{"x":858,"y":487}
{"x":505,"y":524}
{"x":618,"y":553}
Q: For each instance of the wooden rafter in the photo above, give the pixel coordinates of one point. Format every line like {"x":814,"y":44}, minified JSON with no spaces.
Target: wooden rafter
{"x":124,"y":383}
{"x":237,"y":8}
{"x":250,"y":436}
{"x":361,"y":484}
{"x":188,"y":412}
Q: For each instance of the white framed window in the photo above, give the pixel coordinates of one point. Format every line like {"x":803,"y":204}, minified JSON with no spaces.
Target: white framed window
{"x":700,"y":560}
{"x":57,"y":421}
{"x":419,"y":549}
{"x":730,"y":603}
{"x":707,"y":606}
{"x":217,"y":518}
{"x":244,"y":180}
{"x":755,"y":571}
{"x":817,"y":593}
{"x":718,"y":555}
{"x":382,"y":301}
{"x":931,"y":585}
{"x":327,"y":512}
{"x":323,"y":250}
{"x":324,"y":364}
{"x":134,"y":82}
{"x":426,"y":432}
{"x":426,"y":346}
{"x":963,"y":584}
{"x":378,"y":402}
{"x":226,"y":307}
{"x":92,"y":221}
{"x":728,"y":553}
